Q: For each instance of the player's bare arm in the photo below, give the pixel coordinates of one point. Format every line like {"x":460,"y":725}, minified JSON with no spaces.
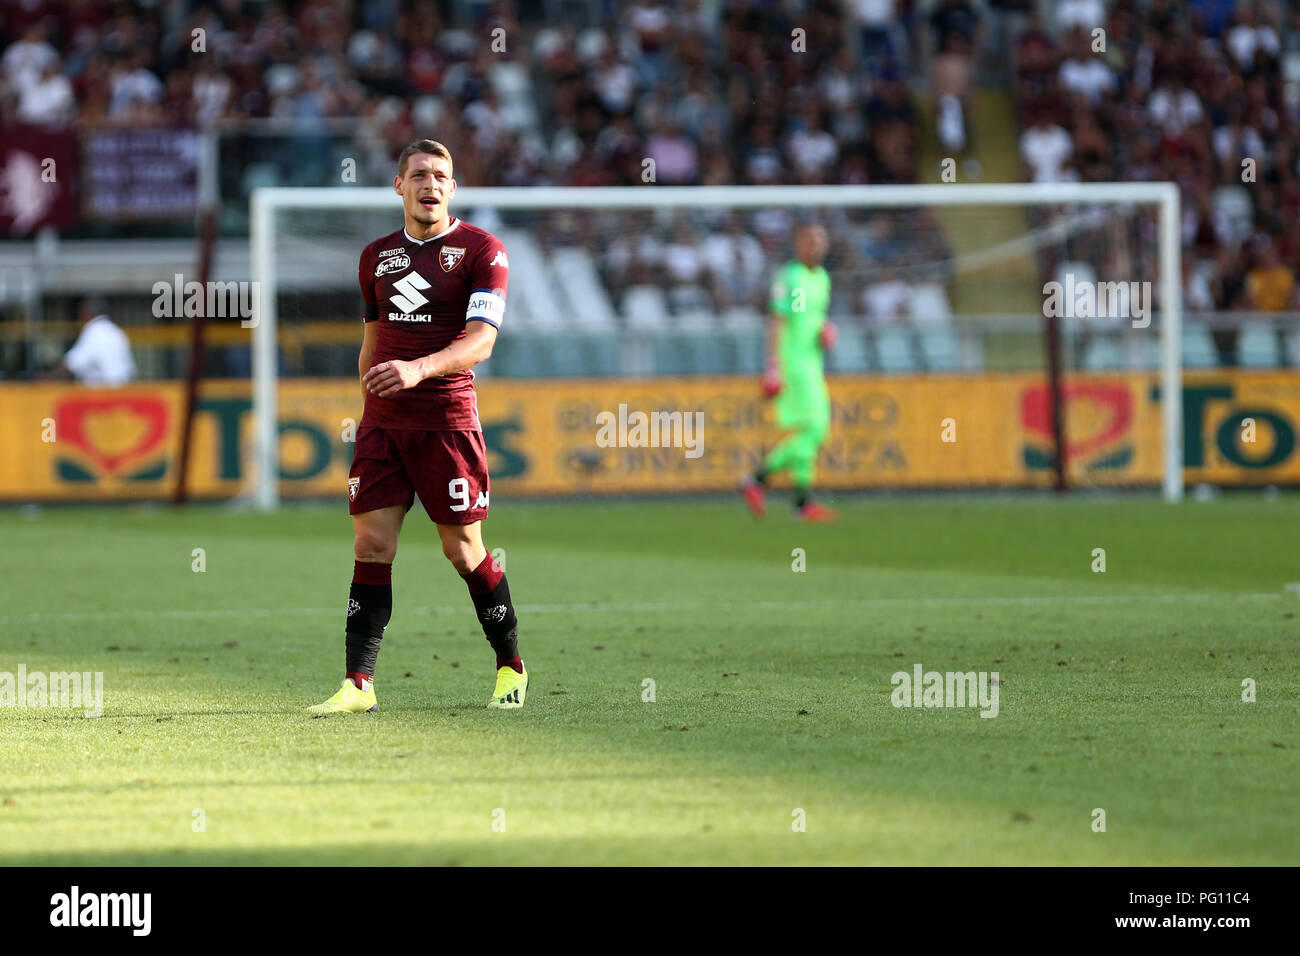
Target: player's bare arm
{"x":475,"y":346}
{"x":367,"y":357}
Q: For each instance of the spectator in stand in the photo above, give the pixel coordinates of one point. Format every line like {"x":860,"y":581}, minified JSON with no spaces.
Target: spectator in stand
{"x":1270,"y":285}
{"x":1084,"y":15}
{"x":1046,"y":150}
{"x":1037,"y":62}
{"x":1253,"y":43}
{"x":48,"y":100}
{"x":813,"y":151}
{"x":25,"y":62}
{"x":135,"y":92}
{"x":955,"y":28}
{"x":677,"y":161}
{"x":1085,"y":76}
{"x":1173,"y":107}
{"x":735,"y":264}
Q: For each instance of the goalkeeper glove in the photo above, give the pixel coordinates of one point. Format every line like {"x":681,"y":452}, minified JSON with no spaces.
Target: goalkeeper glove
{"x":772,"y":379}
{"x":830,"y":335}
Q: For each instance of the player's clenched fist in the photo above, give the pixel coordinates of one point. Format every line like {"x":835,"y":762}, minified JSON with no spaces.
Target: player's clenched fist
{"x":388,"y":378}
{"x":772,"y":380}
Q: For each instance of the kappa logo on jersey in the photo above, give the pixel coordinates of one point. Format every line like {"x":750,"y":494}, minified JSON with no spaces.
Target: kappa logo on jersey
{"x":393,"y":264}
{"x":409,"y":286}
{"x":500,"y":259}
{"x":391,"y":252}
{"x":450,"y":257}
{"x":353,"y":485}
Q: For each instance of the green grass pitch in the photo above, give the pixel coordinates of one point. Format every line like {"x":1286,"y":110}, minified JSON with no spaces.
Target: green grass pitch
{"x":1121,"y":690}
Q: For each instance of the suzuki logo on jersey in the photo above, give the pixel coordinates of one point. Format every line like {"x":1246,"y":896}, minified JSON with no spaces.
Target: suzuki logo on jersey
{"x":450,"y":257}
{"x":409,"y":286}
{"x":500,"y":259}
{"x":482,"y":500}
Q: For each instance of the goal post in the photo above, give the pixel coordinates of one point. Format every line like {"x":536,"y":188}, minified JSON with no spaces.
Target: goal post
{"x":270,"y":203}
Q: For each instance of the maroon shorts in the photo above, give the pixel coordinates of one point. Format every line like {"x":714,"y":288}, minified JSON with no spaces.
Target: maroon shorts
{"x":448,"y":470}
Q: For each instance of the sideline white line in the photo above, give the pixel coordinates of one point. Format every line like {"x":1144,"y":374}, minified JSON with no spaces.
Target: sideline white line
{"x":972,"y":601}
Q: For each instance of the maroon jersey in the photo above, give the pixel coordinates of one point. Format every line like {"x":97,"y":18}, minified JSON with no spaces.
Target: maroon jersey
{"x":423,"y":294}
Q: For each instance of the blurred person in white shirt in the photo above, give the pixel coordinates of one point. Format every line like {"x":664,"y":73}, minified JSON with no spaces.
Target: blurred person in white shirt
{"x":1086,"y":15}
{"x":1046,"y":150}
{"x":24,"y":62}
{"x":48,"y":100}
{"x":102,"y":353}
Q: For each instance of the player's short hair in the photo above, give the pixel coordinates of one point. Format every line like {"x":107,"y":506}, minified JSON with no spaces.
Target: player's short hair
{"x":432,"y":147}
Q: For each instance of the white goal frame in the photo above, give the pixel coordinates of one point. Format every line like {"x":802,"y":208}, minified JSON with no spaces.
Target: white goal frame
{"x":267,"y":201}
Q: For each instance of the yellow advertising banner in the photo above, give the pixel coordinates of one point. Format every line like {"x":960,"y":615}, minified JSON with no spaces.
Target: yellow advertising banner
{"x":604,"y":436}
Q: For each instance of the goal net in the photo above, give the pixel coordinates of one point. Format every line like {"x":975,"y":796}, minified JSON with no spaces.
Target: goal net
{"x":999,"y":335}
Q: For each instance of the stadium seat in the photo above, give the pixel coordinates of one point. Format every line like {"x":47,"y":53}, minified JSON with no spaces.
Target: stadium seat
{"x":696,"y":320}
{"x":1103,"y":353}
{"x":577,"y":278}
{"x":1257,"y":344}
{"x":929,"y":304}
{"x":529,"y":283}
{"x":672,"y":355}
{"x":850,"y":353}
{"x":688,"y":299}
{"x":1198,"y":348}
{"x":742,"y":318}
{"x":645,"y":308}
{"x":941,"y":347}
{"x":894,"y":349}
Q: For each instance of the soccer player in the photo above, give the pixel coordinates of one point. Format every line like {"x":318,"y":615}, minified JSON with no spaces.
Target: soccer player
{"x":434,"y":294}
{"x":798,"y":336}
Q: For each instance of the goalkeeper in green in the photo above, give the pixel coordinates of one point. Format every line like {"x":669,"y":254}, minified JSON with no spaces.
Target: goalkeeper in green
{"x":798,"y":337}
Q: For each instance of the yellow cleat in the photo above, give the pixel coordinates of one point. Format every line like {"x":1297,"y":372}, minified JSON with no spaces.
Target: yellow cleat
{"x":511,"y":689}
{"x":350,"y":699}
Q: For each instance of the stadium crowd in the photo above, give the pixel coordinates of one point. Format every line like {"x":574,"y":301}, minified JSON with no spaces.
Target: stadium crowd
{"x":544,"y":92}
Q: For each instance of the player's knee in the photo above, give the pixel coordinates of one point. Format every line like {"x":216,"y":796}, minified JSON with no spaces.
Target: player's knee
{"x":461,"y":555}
{"x":370,"y":546}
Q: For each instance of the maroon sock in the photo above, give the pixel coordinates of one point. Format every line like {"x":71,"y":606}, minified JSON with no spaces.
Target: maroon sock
{"x":516,"y":664}
{"x":485,"y":577}
{"x":372,"y":572}
{"x":359,"y":679}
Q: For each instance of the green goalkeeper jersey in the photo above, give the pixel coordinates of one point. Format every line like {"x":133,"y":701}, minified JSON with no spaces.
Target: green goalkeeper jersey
{"x":801,"y":296}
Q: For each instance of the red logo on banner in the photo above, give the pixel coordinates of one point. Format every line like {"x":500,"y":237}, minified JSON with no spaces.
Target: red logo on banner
{"x":111,"y":431}
{"x":1096,"y":416}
